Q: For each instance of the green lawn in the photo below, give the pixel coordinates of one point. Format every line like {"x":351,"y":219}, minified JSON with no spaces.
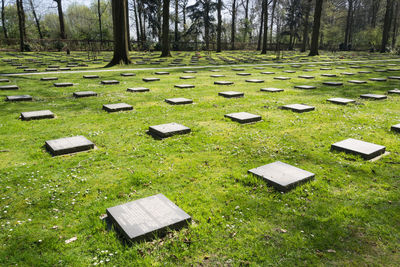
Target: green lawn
{"x":348,"y":215}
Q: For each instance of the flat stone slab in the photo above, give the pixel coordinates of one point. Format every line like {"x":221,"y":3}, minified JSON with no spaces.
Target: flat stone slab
{"x":110,"y":82}
{"x":341,"y":101}
{"x":306,"y":77}
{"x":4,"y":80}
{"x":231,"y":94}
{"x":243,"y":117}
{"x":150,"y":79}
{"x":84,"y":94}
{"x":356,"y":147}
{"x":217,"y":76}
{"x":238,"y":69}
{"x":37,"y":115}
{"x":49,"y":79}
{"x":373,"y":96}
{"x":254,"y":81}
{"x":347,"y":73}
{"x":289,"y":71}
{"x":271,"y":90}
{"x":281,"y":175}
{"x":396,"y":128}
{"x":333,"y":83}
{"x":145,"y":218}
{"x":117,"y":107}
{"x":9,"y":87}
{"x":13,"y":98}
{"x":267,"y":72}
{"x":357,"y":81}
{"x":68,"y":145}
{"x":187,"y":77}
{"x":178,"y":101}
{"x":394,"y":77}
{"x":329,"y":75}
{"x":243,"y":74}
{"x":63,"y":84}
{"x":128,"y":74}
{"x":305,"y":87}
{"x":299,"y":108}
{"x":169,"y":129}
{"x":190,"y":71}
{"x":378,"y":79}
{"x":161,"y":73}
{"x":394,"y":91}
{"x":223,"y":82}
{"x":138,"y":90}
{"x":282,"y":78}
{"x":183,"y":86}
{"x":91,"y":76}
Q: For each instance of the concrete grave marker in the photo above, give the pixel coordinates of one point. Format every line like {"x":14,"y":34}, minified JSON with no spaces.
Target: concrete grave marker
{"x":178,"y":101}
{"x":9,"y":87}
{"x":231,"y":94}
{"x":68,"y":145}
{"x":341,"y":101}
{"x":394,"y":91}
{"x":138,"y":90}
{"x":396,"y":128}
{"x":333,"y":83}
{"x":36,"y":115}
{"x":254,"y":81}
{"x":15,"y":98}
{"x":183,"y":86}
{"x":49,"y":79}
{"x":373,"y":96}
{"x":243,"y":117}
{"x":223,"y":82}
{"x":91,"y":76}
{"x":107,"y":82}
{"x":356,"y":147}
{"x":150,"y":79}
{"x":117,"y":107}
{"x":84,"y":94}
{"x":169,"y":129}
{"x":271,"y":90}
{"x":63,"y":84}
{"x":299,"y":108}
{"x":305,"y":87}
{"x":282,"y":78}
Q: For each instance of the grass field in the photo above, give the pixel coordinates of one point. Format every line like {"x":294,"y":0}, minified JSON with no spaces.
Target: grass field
{"x":348,"y":215}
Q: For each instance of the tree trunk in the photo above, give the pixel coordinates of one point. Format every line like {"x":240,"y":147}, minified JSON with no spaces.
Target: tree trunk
{"x":272,"y":19}
{"x":260,"y":32}
{"x":305,"y":29}
{"x":233,"y":25}
{"x":219,"y":26}
{"x":120,"y":27}
{"x":128,"y":31}
{"x":348,"y":24}
{"x":395,"y":25}
{"x":21,"y":24}
{"x":35,"y":17}
{"x":316,"y":28}
{"x":246,"y":20}
{"x":374,"y":12}
{"x":207,"y":23}
{"x":165,"y":30}
{"x":99,"y":16}
{"x":386,"y":25}
{"x":176,"y":47}
{"x":61,"y":19}
{"x":264,"y":47}
{"x":136,"y":21}
{"x":3,"y":21}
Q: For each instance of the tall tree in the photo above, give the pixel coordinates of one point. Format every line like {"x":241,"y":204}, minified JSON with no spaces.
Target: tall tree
{"x":373,"y":14}
{"x":260,"y":32}
{"x":349,"y":23}
{"x":120,"y":28}
{"x":21,"y":24}
{"x":233,"y":24}
{"x":37,"y":21}
{"x":245,"y":4}
{"x":183,"y":5}
{"x":176,"y":37}
{"x":386,"y":25}
{"x":61,"y":19}
{"x":219,"y":26}
{"x":99,"y":13}
{"x":305,"y":26}
{"x":316,"y":28}
{"x":395,"y":24}
{"x":264,"y":46}
{"x":128,"y":25}
{"x":272,"y":18}
{"x":136,"y":21}
{"x":165,"y":30}
{"x":3,"y":20}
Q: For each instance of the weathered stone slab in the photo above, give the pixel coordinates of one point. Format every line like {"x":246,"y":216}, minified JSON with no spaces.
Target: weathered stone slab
{"x":231,"y":94}
{"x":306,"y":77}
{"x":305,"y":87}
{"x":4,"y":80}
{"x":217,"y":76}
{"x":373,"y":96}
{"x":161,"y":73}
{"x":37,"y":115}
{"x":378,"y":79}
{"x":271,"y":90}
{"x":267,"y":72}
{"x":394,"y":91}
{"x":190,"y":71}
{"x":128,"y":74}
{"x":187,"y":77}
{"x":394,"y":77}
{"x":243,"y":117}
{"x":183,"y":86}
{"x":329,"y":75}
{"x":138,"y":90}
{"x":357,"y":81}
{"x":238,"y":69}
{"x":254,"y":81}
{"x":281,"y":175}
{"x":282,"y":78}
{"x":299,"y":108}
{"x":151,"y":79}
{"x":347,"y":73}
{"x":49,"y":79}
{"x":84,"y":94}
{"x":356,"y":147}
{"x":333,"y":83}
{"x":9,"y":87}
{"x":63,"y":84}
{"x":223,"y":82}
{"x":68,"y":145}
{"x":169,"y":129}
{"x":178,"y":101}
{"x":13,"y":98}
{"x":243,"y":74}
{"x":341,"y":101}
{"x":396,"y":128}
{"x":117,"y":107}
{"x":145,"y":218}
{"x":91,"y":76}
{"x":107,"y":82}
{"x":289,"y":71}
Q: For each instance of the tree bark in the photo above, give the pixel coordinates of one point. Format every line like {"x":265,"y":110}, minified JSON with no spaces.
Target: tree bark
{"x":207,"y":23}
{"x":128,"y":32}
{"x":233,"y":29}
{"x":219,"y":26}
{"x":316,"y":28}
{"x":246,"y":20}
{"x":35,"y":17}
{"x":374,"y":12}
{"x":305,"y":27}
{"x":165,"y":30}
{"x":264,"y":47}
{"x":260,"y":32}
{"x":21,"y":24}
{"x":99,"y":17}
{"x":176,"y":47}
{"x":121,"y":53}
{"x":61,"y":19}
{"x":272,"y":19}
{"x":386,"y":25}
{"x":3,"y":21}
{"x":395,"y":25}
{"x":136,"y":21}
{"x":348,"y":24}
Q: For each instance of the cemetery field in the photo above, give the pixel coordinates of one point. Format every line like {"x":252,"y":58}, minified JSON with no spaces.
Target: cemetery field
{"x":349,"y":214}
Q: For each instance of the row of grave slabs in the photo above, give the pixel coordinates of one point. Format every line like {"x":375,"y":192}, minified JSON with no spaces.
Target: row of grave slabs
{"x":144,"y":218}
